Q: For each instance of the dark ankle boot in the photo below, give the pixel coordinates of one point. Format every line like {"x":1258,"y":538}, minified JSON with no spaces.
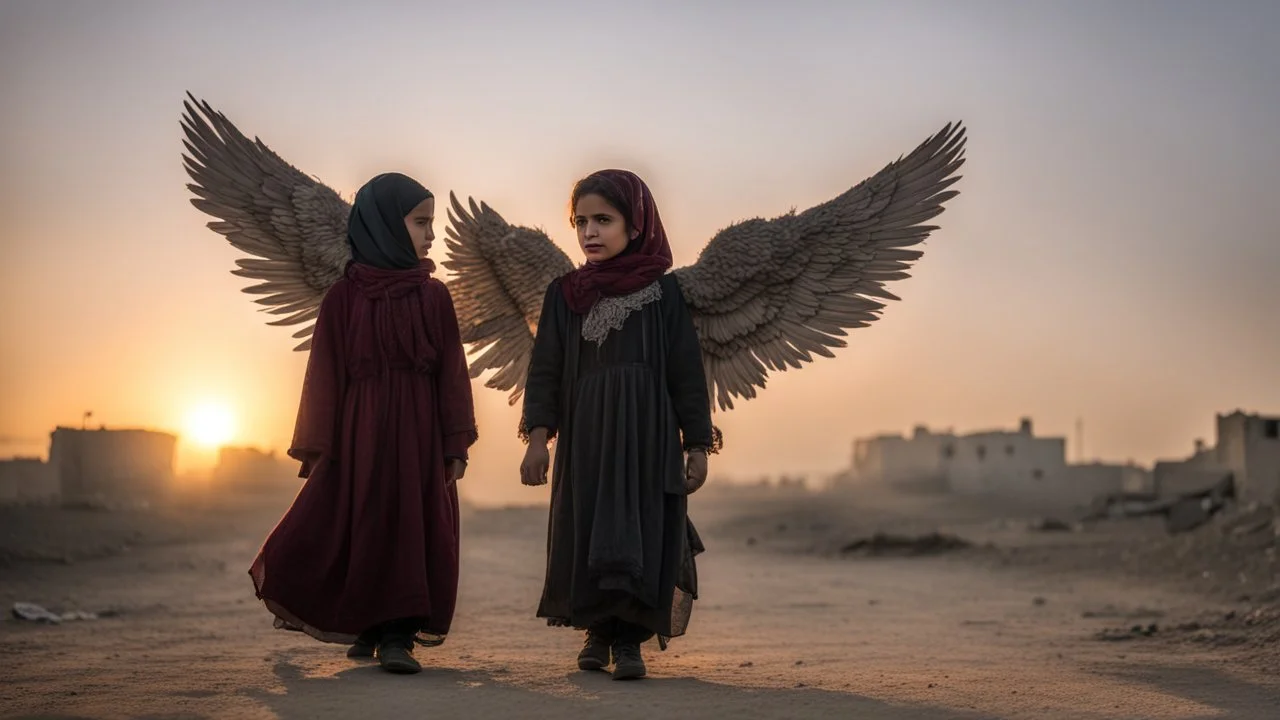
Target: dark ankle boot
{"x":627,"y":663}
{"x":595,"y":652}
{"x":395,"y":654}
{"x":365,"y":644}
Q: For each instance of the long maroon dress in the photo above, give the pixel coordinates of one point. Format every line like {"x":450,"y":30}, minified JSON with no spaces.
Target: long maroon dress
{"x":373,"y":534}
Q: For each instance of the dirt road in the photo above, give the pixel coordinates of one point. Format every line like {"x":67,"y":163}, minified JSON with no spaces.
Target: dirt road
{"x":775,"y":635}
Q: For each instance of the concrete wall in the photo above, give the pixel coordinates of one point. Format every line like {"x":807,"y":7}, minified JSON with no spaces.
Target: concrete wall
{"x":899,"y":460}
{"x":1182,"y":477}
{"x":112,"y":464}
{"x":1247,"y":449}
{"x":1006,"y":463}
{"x":25,"y":480}
{"x":1087,"y":481}
{"x":1202,"y":470}
{"x":1137,"y":479}
{"x":250,"y":470}
{"x":1250,"y":446}
{"x":1010,"y":463}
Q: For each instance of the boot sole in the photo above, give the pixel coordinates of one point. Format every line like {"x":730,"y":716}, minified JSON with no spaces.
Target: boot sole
{"x":401,"y":668}
{"x":625,"y":673}
{"x":591,"y":664}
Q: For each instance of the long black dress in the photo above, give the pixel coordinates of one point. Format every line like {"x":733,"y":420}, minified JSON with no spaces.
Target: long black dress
{"x":623,"y":411}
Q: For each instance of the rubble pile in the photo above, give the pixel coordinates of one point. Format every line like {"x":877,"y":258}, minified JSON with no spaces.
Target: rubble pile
{"x":1237,"y":550}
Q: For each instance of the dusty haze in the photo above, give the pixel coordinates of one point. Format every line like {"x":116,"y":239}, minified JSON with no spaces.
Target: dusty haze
{"x":1111,"y":256}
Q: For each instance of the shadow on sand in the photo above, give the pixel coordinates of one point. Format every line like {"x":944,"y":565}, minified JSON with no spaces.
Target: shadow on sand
{"x":366,"y":690}
{"x":1229,"y":695}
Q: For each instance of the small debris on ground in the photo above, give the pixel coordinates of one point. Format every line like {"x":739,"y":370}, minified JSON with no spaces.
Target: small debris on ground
{"x":1137,"y":631}
{"x":1111,"y":611}
{"x":886,"y":544}
{"x":1048,"y":525}
{"x":35,"y":613}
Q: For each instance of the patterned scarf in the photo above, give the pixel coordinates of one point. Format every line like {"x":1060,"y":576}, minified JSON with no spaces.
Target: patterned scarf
{"x":645,"y":260}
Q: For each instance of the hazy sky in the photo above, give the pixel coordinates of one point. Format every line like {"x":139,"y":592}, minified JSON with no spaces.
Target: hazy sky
{"x":1112,"y":256}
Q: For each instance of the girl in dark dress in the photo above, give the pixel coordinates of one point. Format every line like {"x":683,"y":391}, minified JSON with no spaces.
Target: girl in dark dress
{"x":617,"y":379}
{"x":368,"y":552}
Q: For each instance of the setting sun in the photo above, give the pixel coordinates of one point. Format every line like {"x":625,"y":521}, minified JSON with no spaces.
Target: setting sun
{"x":210,"y":425}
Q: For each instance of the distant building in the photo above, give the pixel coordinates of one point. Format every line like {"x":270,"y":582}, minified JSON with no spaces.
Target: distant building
{"x":1250,"y":446}
{"x":1003,"y":462}
{"x":1247,"y":449}
{"x":24,"y":480}
{"x":1091,"y":480}
{"x":104,"y":464}
{"x":250,"y":470}
{"x":1011,"y":463}
{"x":1201,"y":470}
{"x":915,"y":462}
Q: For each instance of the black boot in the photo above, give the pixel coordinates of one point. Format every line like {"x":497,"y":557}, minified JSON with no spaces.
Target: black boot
{"x":627,"y":663}
{"x":395,"y":654}
{"x":365,"y":645}
{"x":595,"y":652}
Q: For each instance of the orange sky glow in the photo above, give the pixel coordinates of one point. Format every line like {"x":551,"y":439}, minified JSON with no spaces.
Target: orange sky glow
{"x":1112,"y":255}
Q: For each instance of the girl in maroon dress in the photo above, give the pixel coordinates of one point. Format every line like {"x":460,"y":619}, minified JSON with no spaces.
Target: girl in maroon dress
{"x":368,"y":552}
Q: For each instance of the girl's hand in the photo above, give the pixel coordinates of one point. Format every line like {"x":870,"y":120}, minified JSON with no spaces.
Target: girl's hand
{"x":537,"y":460}
{"x":455,"y":469}
{"x":695,"y":470}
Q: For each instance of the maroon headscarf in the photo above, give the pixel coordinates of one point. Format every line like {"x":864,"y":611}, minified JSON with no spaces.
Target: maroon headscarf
{"x":645,"y":260}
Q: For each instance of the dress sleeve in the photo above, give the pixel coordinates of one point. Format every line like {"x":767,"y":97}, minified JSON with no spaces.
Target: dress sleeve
{"x":686,"y":376}
{"x":324,"y":386}
{"x":546,"y":368}
{"x":453,"y":379}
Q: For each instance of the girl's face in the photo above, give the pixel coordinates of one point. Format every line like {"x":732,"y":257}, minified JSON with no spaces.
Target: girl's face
{"x":602,"y":231}
{"x":419,"y":222}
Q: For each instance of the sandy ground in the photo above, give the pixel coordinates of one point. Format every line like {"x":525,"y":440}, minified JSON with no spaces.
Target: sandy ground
{"x":1023,"y":625}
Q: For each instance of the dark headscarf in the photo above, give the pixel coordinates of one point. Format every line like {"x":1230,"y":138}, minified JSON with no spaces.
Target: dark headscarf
{"x":645,"y":260}
{"x":375,"y":229}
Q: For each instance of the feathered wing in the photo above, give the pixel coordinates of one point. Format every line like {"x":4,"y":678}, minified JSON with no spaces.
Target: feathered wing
{"x":293,"y":225}
{"x":501,"y":273}
{"x":772,"y":294}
